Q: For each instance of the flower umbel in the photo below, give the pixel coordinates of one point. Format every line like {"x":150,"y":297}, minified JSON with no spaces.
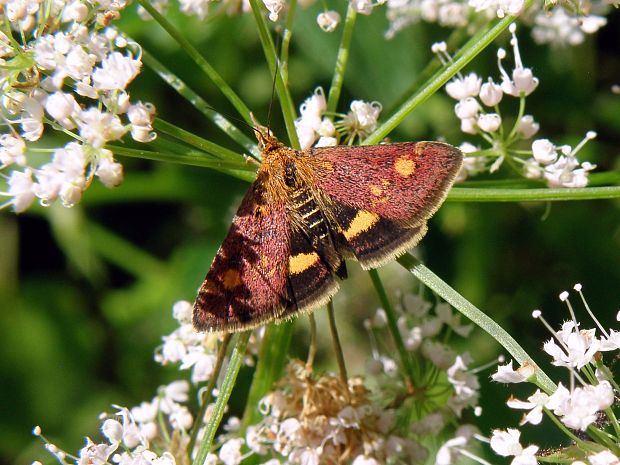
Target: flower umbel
{"x":81,"y":52}
{"x":480,"y":114}
{"x":583,"y":406}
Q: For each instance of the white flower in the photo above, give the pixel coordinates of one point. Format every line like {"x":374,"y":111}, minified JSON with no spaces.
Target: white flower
{"x":534,"y":404}
{"x":112,"y":430}
{"x":448,"y":453}
{"x":490,"y":93}
{"x":505,"y":373}
{"x":566,"y":172}
{"x":523,"y":81}
{"x":274,"y":7}
{"x":109,"y":172}
{"x":116,"y":71}
{"x":31,"y":119}
{"x":489,"y":122}
{"x":310,"y":121}
{"x":544,"y":151}
{"x":439,"y":354}
{"x":22,"y":189}
{"x":578,"y":347}
{"x":63,"y":108}
{"x":464,"y":383}
{"x":182,"y":311}
{"x":145,"y":412}
{"x":78,"y":65}
{"x":12,"y":150}
{"x":363,"y":460}
{"x":362,"y":119}
{"x":467,"y":108}
{"x":527,"y":127}
{"x":141,"y":116}
{"x":506,"y":443}
{"x":96,"y":454}
{"x":362,"y":6}
{"x":97,"y":127}
{"x":603,"y":458}
{"x":463,"y":87}
{"x":579,"y":408}
{"x":198,"y":7}
{"x":328,"y":20}
{"x":74,"y":11}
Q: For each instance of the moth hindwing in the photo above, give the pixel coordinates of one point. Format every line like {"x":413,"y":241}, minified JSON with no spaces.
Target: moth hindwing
{"x":306,"y":212}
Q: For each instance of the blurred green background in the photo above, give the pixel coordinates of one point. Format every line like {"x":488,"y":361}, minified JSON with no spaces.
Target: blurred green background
{"x":87,"y":292}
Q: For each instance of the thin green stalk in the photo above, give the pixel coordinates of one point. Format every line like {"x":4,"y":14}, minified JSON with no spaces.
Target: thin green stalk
{"x":392,"y":319}
{"x":271,"y":359}
{"x":284,"y":96}
{"x":208,"y":392}
{"x":473,"y":194}
{"x":236,"y":360}
{"x":200,"y":61}
{"x":337,"y":346}
{"x":242,"y":171}
{"x":286,"y":40}
{"x":467,"y":53}
{"x":341,"y":60}
{"x":433,"y":282}
{"x":200,"y":104}
{"x":196,"y":141}
{"x":312,"y":346}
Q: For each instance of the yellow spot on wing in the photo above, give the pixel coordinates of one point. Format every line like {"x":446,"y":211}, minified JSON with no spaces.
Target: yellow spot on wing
{"x":404,"y":166}
{"x":301,"y":262}
{"x":376,"y":190}
{"x":363,"y":221}
{"x":231,"y":279}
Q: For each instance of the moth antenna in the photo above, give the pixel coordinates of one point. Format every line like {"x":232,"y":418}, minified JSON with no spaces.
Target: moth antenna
{"x":273,"y":82}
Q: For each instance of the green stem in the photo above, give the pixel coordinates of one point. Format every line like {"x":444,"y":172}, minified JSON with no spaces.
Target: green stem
{"x":337,"y":346}
{"x":239,"y":170}
{"x":271,"y":359}
{"x":341,"y":60}
{"x":208,"y":392}
{"x":392,"y":320}
{"x":202,"y":63}
{"x":469,"y":51}
{"x":286,"y":102}
{"x":286,"y":40}
{"x":236,"y":360}
{"x":196,"y":141}
{"x":473,"y":194}
{"x":200,"y":104}
{"x":432,"y":281}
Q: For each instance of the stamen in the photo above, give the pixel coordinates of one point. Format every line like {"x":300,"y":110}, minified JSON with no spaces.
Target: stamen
{"x":564,"y":298}
{"x":577,"y":287}
{"x":589,"y":136}
{"x":515,"y":46}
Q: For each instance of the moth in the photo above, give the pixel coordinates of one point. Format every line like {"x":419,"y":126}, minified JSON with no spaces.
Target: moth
{"x":306,"y":213}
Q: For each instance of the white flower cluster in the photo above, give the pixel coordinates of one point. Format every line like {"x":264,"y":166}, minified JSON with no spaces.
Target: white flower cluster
{"x":195,"y":350}
{"x":77,"y":51}
{"x":557,"y":25}
{"x":583,"y":405}
{"x":312,"y":420}
{"x":479,"y":112}
{"x":420,"y":330}
{"x":314,"y":128}
{"x":138,"y":436}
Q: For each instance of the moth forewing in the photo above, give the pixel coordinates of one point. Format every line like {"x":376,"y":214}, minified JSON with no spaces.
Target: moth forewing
{"x":309,"y":210}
